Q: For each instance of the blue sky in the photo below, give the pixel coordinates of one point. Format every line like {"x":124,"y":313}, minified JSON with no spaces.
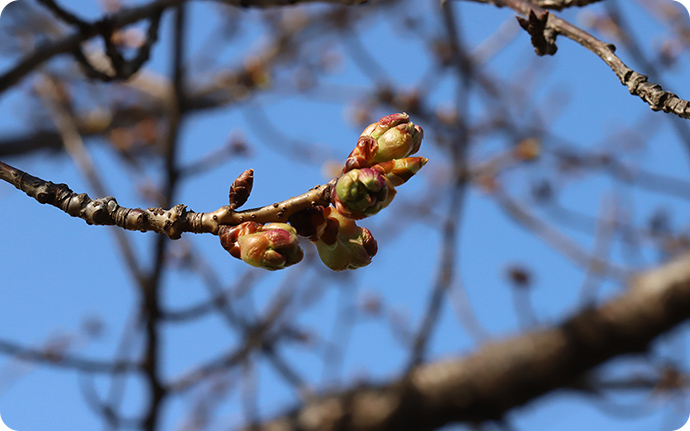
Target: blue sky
{"x":59,"y":272}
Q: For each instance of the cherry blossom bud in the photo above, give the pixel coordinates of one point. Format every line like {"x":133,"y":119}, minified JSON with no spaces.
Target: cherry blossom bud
{"x":342,"y":244}
{"x":241,"y":188}
{"x":362,"y":193}
{"x":392,"y":137}
{"x":272,"y":246}
{"x":400,"y":170}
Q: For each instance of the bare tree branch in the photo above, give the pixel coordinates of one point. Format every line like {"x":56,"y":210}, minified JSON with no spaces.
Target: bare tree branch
{"x":56,"y":359}
{"x":172,"y":222}
{"x":64,"y":14}
{"x":638,"y":84}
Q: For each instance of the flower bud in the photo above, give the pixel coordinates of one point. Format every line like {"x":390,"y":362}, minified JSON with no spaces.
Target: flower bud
{"x":241,"y":189}
{"x":342,"y":244}
{"x":273,"y":246}
{"x":400,"y":170}
{"x":392,"y":137}
{"x":362,"y":193}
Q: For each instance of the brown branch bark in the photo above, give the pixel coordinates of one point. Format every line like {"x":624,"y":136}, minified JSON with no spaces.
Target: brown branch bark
{"x":509,"y":373}
{"x":653,"y":94}
{"x":172,"y":222}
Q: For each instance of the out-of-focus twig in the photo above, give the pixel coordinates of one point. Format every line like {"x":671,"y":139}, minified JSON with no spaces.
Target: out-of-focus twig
{"x":65,"y":360}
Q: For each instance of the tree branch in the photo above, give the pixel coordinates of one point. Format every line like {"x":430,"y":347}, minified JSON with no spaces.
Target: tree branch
{"x":506,"y":374}
{"x":64,"y":14}
{"x":653,"y":94}
{"x":173,"y":222}
{"x":61,"y":360}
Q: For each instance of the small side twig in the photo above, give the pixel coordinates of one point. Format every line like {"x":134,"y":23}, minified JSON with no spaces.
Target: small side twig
{"x":65,"y":361}
{"x":122,"y":69}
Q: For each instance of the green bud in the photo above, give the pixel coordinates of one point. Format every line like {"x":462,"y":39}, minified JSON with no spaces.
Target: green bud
{"x":361,"y":193}
{"x":392,"y":137}
{"x":400,"y":170}
{"x":342,"y":244}
{"x":273,"y":246}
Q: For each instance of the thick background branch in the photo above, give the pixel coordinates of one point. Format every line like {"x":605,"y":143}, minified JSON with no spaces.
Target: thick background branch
{"x":507,"y":374}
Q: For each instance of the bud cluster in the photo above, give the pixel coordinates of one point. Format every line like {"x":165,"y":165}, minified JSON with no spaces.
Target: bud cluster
{"x":379,"y":163}
{"x":392,"y":137}
{"x":340,"y":242}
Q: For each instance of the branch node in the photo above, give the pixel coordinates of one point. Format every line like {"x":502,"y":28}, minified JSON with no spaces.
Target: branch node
{"x":543,"y":38}
{"x":633,"y":80}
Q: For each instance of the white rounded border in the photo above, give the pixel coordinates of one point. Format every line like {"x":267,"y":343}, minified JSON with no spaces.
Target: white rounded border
{"x":685,"y":3}
{"x":4,"y":427}
{"x":4,"y":3}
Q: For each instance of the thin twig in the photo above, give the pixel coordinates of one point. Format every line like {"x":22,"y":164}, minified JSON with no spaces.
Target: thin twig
{"x":152,"y":289}
{"x":451,"y":226}
{"x":64,"y":14}
{"x":557,"y":240}
{"x":65,"y":361}
{"x":653,"y":94}
{"x":75,"y":147}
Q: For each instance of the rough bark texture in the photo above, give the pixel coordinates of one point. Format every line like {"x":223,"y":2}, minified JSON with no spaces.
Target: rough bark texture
{"x":172,"y":222}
